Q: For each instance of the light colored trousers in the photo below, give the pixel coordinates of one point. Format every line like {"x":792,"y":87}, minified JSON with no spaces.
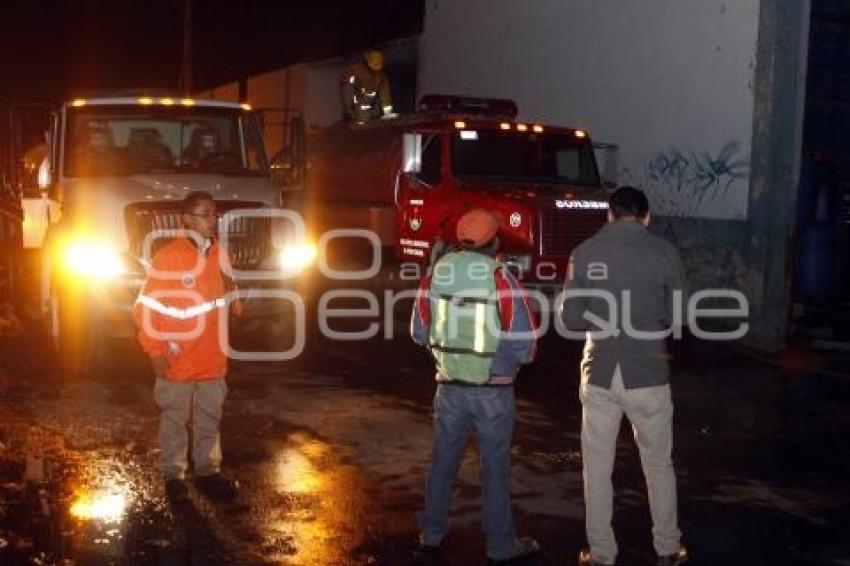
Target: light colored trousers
{"x":650,"y":412}
{"x":182,"y":401}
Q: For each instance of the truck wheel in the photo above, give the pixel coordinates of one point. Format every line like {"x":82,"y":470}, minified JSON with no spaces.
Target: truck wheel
{"x":71,"y":333}
{"x":7,"y":280}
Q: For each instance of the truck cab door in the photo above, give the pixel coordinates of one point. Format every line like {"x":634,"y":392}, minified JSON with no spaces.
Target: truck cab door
{"x":419,"y":195}
{"x":33,"y":168}
{"x":34,"y":156}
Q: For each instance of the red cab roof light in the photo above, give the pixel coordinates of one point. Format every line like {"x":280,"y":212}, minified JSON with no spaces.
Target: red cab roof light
{"x":448,"y":104}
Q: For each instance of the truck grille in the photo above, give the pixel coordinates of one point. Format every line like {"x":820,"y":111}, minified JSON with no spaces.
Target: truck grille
{"x":563,"y":230}
{"x":248,"y":241}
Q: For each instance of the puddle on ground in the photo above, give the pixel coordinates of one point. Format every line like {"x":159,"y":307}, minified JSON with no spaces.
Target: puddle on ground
{"x":328,"y":512}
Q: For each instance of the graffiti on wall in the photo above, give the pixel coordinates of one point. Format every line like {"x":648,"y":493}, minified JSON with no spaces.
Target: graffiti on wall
{"x":687,"y":183}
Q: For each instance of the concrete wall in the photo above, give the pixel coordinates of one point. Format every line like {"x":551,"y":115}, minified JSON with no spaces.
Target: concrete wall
{"x":311,"y":89}
{"x":228,"y":92}
{"x":323,"y":104}
{"x":670,"y":82}
{"x":756,"y":256}
{"x":283,"y":88}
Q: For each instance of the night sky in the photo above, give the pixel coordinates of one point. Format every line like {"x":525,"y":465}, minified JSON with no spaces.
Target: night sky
{"x":51,"y":50}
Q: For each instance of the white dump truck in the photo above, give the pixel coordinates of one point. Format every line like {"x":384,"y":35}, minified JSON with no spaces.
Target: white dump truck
{"x":115,"y":172}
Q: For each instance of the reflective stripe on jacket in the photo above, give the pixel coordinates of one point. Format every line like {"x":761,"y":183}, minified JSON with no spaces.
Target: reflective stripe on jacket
{"x":179,"y":308}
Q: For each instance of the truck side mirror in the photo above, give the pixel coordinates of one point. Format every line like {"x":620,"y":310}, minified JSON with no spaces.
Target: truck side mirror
{"x":282,"y":170}
{"x":44,"y":177}
{"x":607,"y":162}
{"x":412,"y":153}
{"x":289,"y":165}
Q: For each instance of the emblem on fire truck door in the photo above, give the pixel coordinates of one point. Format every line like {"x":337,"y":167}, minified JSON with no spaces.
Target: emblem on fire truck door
{"x":515,"y":219}
{"x":415,"y":224}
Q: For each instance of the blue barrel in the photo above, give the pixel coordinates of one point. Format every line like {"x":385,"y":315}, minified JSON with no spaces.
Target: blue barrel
{"x":815,"y":263}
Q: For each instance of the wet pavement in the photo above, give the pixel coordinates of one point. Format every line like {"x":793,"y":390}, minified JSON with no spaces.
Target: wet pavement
{"x":332,"y":450}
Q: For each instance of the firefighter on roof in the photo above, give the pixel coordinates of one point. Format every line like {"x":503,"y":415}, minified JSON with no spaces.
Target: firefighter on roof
{"x":365,"y":89}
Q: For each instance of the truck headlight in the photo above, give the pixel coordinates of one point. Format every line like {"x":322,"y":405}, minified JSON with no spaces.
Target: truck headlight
{"x":295,"y":257}
{"x":93,"y":259}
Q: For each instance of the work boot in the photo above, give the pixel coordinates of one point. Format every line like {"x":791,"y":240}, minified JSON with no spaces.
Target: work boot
{"x":217,"y":487}
{"x":523,"y":548}
{"x":680,"y":557}
{"x":585,"y":559}
{"x":176,"y":491}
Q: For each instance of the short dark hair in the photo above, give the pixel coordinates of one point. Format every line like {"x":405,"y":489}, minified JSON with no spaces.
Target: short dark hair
{"x":628,"y":202}
{"x":190,"y":201}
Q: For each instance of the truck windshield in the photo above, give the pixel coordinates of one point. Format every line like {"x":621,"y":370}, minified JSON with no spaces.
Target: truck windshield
{"x":130,"y":140}
{"x":494,"y":156}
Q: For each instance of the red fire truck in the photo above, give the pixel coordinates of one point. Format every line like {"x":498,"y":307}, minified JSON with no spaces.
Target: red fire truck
{"x":407,"y":179}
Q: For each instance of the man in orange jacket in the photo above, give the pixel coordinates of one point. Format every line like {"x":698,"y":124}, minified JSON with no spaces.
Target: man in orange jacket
{"x":178,"y":314}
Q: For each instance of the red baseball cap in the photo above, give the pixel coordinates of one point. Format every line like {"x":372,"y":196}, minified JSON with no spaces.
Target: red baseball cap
{"x":477,"y":227}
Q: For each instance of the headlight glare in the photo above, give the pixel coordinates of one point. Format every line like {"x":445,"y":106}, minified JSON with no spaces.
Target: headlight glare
{"x":297,"y":256}
{"x":93,"y":259}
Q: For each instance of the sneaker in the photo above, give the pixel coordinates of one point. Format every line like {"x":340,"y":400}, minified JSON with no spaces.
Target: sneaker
{"x":523,"y":548}
{"x":585,"y":559}
{"x":217,"y":487}
{"x":680,"y":557}
{"x":176,"y":491}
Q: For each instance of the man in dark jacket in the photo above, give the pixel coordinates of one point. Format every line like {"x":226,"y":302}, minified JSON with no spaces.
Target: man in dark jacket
{"x":630,"y":283}
{"x":475,"y":318}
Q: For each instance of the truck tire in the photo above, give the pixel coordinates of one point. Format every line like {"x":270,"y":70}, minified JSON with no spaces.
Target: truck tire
{"x":7,"y":279}
{"x":71,"y":333}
